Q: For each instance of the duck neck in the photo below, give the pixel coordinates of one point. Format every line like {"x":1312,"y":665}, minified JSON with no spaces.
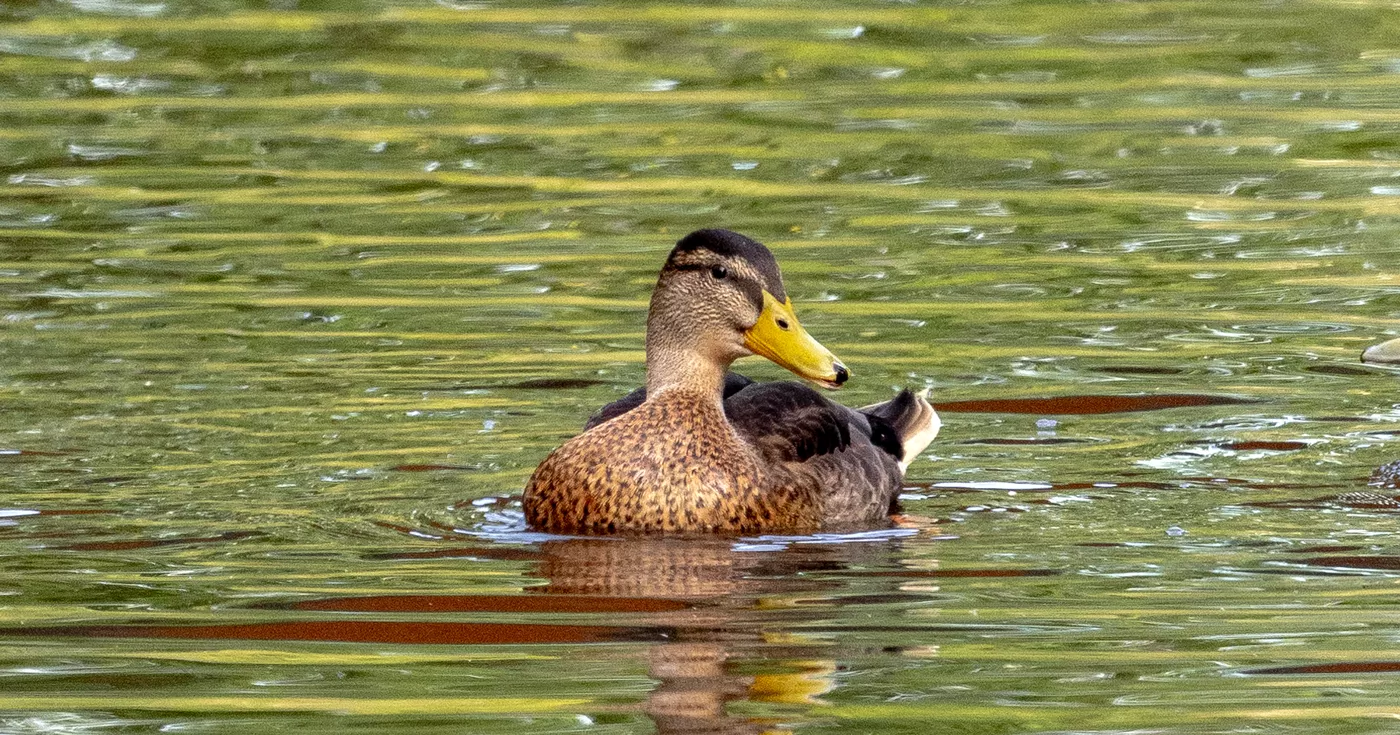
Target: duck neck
{"x":685,"y":351}
{"x":684,"y":370}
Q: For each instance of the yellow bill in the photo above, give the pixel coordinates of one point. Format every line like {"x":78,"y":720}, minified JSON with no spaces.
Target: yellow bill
{"x":779,"y":337}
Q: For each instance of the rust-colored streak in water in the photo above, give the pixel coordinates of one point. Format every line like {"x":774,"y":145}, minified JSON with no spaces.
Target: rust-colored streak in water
{"x":405,"y":530}
{"x":4,"y":453}
{"x":1347,"y":667}
{"x":1253,"y":485}
{"x":554,"y":383}
{"x":1355,"y":562}
{"x":1363,"y":500}
{"x":1087,"y":404}
{"x":1140,"y":370}
{"x":150,"y":543}
{"x":430,"y":467}
{"x":1322,"y":549}
{"x":1139,"y":484}
{"x":948,"y":573}
{"x":359,"y":631}
{"x":849,"y":600}
{"x":504,"y":553}
{"x":1276,"y":446}
{"x":530,"y":384}
{"x":1020,"y":442}
{"x":1329,"y":369}
{"x":493,"y":603}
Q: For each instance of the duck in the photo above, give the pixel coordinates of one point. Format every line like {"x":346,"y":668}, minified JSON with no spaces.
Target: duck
{"x":1384,"y":352}
{"x":700,"y":450}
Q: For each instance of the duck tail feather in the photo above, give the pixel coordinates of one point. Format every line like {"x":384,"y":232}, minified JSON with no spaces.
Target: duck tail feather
{"x":912,"y":421}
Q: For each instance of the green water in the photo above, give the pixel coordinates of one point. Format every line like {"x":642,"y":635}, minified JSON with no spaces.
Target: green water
{"x":293,"y":297}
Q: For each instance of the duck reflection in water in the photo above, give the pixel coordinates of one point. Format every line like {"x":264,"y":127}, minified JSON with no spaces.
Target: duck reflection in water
{"x":733,"y":638}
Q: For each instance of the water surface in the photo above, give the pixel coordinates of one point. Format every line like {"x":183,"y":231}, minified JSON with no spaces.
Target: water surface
{"x":294,"y":296}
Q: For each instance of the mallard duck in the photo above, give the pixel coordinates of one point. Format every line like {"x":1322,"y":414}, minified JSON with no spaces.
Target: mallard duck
{"x":703,"y":450}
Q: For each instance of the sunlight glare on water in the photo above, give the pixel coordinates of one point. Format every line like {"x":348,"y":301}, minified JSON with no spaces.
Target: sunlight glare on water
{"x":294,"y":296}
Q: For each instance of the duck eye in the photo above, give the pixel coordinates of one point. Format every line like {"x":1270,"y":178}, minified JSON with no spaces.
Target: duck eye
{"x":719,"y":272}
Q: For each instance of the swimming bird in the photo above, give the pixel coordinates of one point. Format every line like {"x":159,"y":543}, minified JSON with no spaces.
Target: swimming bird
{"x":703,"y":450}
{"x":1385,"y":352}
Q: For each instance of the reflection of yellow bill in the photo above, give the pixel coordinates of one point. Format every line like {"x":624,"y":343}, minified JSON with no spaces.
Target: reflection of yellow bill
{"x":779,"y":337}
{"x":802,"y":687}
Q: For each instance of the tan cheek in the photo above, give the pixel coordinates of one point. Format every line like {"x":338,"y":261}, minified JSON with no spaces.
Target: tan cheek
{"x":739,"y":310}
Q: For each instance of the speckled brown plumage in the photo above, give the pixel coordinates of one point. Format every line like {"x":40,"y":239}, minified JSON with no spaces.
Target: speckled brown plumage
{"x":700,"y":450}
{"x":672,"y":465}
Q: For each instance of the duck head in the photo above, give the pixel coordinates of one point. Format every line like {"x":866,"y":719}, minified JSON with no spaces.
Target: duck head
{"x":721,"y":297}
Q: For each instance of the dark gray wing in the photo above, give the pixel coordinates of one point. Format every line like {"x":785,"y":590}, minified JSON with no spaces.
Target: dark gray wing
{"x":853,"y":457}
{"x":789,"y":421}
{"x":733,"y":383}
{"x":808,"y":424}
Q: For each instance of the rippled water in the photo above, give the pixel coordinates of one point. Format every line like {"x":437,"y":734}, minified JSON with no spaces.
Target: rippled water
{"x":293,"y":297}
